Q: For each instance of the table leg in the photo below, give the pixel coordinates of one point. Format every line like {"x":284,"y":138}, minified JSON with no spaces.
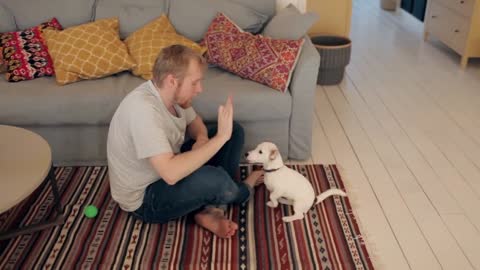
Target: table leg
{"x":56,"y":194}
{"x":42,"y":225}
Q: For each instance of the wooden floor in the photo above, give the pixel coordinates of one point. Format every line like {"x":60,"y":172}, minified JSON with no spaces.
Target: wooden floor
{"x":404,"y":129}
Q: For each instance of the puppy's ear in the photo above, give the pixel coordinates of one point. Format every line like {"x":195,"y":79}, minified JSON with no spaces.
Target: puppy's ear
{"x":273,"y":154}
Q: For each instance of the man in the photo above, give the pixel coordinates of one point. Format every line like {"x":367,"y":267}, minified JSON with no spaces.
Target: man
{"x":154,"y":173}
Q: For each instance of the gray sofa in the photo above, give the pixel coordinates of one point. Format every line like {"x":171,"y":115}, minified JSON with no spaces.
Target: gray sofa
{"x":74,"y":118}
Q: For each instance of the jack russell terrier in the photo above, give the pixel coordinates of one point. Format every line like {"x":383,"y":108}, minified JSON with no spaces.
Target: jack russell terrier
{"x":286,"y":185}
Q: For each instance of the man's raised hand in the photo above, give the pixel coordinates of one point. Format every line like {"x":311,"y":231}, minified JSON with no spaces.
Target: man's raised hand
{"x":225,"y":120}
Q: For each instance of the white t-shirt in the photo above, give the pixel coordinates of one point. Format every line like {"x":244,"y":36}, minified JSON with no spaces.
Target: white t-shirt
{"x":141,"y":127}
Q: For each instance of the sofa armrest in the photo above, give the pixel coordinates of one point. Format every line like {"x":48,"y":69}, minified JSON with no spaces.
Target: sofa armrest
{"x":302,"y":88}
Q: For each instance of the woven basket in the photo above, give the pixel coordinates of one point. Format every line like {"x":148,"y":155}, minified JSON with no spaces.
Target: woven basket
{"x":390,"y":5}
{"x":335,"y":54}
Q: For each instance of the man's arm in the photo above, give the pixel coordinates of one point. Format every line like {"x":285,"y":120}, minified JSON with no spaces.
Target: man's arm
{"x":197,"y":129}
{"x":172,"y":168}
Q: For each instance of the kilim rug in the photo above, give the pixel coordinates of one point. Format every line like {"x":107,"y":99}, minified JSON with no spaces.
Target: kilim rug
{"x":328,"y":237}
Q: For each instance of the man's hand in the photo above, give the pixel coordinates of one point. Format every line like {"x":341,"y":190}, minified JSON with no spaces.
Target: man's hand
{"x":199,"y":142}
{"x":225,"y":120}
{"x":258,"y":175}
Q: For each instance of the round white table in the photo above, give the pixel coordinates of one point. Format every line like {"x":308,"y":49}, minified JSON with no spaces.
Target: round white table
{"x":25,"y":162}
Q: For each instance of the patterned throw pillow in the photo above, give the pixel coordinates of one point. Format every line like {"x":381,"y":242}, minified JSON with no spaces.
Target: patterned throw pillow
{"x":25,"y":53}
{"x":255,"y":57}
{"x":88,"y":51}
{"x":3,"y":66}
{"x":146,"y":43}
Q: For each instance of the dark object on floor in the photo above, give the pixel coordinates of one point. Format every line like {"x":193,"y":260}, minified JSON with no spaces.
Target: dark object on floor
{"x":334,"y":57}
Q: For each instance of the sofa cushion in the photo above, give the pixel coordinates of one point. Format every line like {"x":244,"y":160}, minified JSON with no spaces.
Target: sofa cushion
{"x":29,"y":13}
{"x":255,"y":57}
{"x":290,"y":23}
{"x":132,"y":14}
{"x":252,"y":101}
{"x":3,"y":66}
{"x":88,"y":51}
{"x":191,"y":18}
{"x":93,"y":102}
{"x":43,"y":102}
{"x":26,"y":54}
{"x":146,"y":43}
{"x":7,"y":23}
{"x":267,"y":7}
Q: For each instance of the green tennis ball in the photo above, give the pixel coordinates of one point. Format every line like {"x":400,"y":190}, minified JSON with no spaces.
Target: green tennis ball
{"x":90,"y":211}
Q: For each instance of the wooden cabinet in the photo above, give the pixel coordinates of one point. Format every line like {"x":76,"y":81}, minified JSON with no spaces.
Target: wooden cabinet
{"x":457,"y":24}
{"x":334,"y":16}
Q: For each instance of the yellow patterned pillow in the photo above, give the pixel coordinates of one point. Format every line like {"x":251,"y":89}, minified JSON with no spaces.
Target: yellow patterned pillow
{"x":146,"y":43}
{"x":88,"y":51}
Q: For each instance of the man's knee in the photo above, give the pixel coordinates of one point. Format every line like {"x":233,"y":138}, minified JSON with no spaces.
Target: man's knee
{"x":211,"y":176}
{"x":219,"y":183}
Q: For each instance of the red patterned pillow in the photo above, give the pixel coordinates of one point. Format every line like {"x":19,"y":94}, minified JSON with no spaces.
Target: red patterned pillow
{"x":255,"y":57}
{"x":26,"y":54}
{"x":3,"y":66}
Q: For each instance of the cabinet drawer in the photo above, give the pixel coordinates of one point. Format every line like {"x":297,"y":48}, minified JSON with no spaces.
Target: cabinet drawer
{"x":436,"y":21}
{"x":459,"y":36}
{"x":463,"y":7}
{"x":447,"y":26}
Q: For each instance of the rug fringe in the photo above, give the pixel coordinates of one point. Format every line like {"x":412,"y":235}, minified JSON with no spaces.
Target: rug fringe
{"x":366,"y":238}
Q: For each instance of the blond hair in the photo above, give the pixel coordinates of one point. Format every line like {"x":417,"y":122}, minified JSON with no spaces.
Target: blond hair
{"x":175,"y":60}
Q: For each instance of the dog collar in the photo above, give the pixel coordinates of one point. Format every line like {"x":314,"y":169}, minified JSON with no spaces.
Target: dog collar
{"x":272,"y":170}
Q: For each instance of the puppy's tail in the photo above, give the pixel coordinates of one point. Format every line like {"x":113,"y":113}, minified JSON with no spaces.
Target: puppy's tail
{"x":328,"y":193}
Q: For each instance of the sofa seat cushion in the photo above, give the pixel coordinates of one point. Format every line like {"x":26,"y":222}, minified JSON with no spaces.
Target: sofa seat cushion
{"x":93,"y":102}
{"x":43,"y":102}
{"x":252,"y":101}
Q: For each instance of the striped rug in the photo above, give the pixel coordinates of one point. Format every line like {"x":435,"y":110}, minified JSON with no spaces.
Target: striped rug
{"x":328,"y":237}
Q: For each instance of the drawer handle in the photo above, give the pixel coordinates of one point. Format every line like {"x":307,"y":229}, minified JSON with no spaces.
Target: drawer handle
{"x":456,"y":30}
{"x":462,"y":2}
{"x":434,"y":16}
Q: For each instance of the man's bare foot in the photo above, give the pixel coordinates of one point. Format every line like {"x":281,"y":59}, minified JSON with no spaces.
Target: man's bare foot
{"x":216,"y":223}
{"x":255,"y":178}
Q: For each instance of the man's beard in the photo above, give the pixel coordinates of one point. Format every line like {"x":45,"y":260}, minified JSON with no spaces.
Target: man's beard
{"x":183,"y":104}
{"x":186,"y":105}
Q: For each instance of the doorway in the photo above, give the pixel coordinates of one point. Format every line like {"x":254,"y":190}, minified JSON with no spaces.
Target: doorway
{"x":415,"y":7}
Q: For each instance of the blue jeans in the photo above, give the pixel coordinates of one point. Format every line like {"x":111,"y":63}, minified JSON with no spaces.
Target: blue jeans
{"x":212,"y":185}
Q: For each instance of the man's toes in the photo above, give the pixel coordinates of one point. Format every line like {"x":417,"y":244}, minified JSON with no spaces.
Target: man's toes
{"x":232,"y":231}
{"x":233,"y":225}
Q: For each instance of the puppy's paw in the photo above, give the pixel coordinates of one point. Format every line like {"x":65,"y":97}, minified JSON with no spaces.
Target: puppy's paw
{"x":286,"y":219}
{"x":292,"y":218}
{"x":272,"y":204}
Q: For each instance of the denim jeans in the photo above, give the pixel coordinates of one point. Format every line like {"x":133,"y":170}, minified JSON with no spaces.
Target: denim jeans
{"x":212,"y":185}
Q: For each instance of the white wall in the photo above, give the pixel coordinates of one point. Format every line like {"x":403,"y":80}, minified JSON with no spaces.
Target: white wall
{"x":300,"y":4}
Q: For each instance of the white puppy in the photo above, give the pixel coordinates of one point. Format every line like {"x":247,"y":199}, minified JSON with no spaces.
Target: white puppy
{"x":286,"y":186}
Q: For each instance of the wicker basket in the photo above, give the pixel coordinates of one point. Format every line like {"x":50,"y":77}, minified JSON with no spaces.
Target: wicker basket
{"x":390,"y":5}
{"x":334,"y":57}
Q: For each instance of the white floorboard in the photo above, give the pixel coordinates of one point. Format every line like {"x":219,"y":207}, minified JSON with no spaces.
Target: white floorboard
{"x":404,"y":129}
